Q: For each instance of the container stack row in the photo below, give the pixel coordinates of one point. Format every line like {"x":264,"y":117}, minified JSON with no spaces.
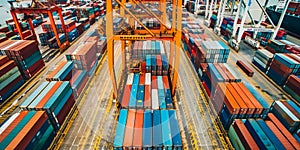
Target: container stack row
{"x":150,"y":23}
{"x":282,"y":46}
{"x":288,"y":113}
{"x":262,"y":59}
{"x":292,"y":86}
{"x":266,"y":133}
{"x":55,"y":98}
{"x":10,"y":78}
{"x":27,"y":130}
{"x":84,"y":56}
{"x":145,"y":91}
{"x":149,"y":129}
{"x":26,"y":55}
{"x":230,"y":97}
{"x":282,"y":66}
{"x":65,"y":71}
{"x":141,"y":49}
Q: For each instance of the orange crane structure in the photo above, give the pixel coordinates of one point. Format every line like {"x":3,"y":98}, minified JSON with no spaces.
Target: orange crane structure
{"x":171,"y":33}
{"x":37,"y":7}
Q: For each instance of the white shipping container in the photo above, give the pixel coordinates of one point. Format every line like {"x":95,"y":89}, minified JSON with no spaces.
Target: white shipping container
{"x":144,"y":45}
{"x":154,"y":97}
{"x":130,"y":79}
{"x":148,"y":79}
{"x":8,"y":122}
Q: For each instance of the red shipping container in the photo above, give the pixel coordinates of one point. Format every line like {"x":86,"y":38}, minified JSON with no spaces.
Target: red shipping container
{"x":65,"y":110}
{"x":11,"y":85}
{"x":12,"y":125}
{"x":3,"y":60}
{"x":154,"y":82}
{"x":147,"y":97}
{"x":244,"y":135}
{"x":24,"y":137}
{"x":7,"y":67}
{"x":166,"y":82}
{"x":126,"y":96}
{"x":284,"y":131}
{"x":279,"y":135}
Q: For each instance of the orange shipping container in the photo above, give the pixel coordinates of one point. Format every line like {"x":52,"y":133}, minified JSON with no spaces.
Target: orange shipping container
{"x":251,"y":107}
{"x":55,"y":71}
{"x":41,"y":104}
{"x":128,"y":137}
{"x":284,"y":131}
{"x":126,"y":96}
{"x":29,"y":131}
{"x":259,"y":108}
{"x":229,"y":101}
{"x":12,"y":125}
{"x":138,"y":130}
{"x":166,"y":82}
{"x":279,"y":135}
{"x":238,"y":99}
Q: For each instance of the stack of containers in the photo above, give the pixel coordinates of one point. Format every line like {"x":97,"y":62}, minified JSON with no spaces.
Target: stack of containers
{"x":212,"y":74}
{"x":65,"y":71}
{"x":142,"y":93}
{"x":44,"y":37}
{"x":80,"y":28}
{"x":234,"y":100}
{"x":27,"y":130}
{"x":215,"y":51}
{"x":275,"y":46}
{"x":73,"y":35}
{"x":213,"y":20}
{"x":136,"y":129}
{"x":10,"y":78}
{"x":266,"y":133}
{"x":288,"y":113}
{"x":282,"y":66}
{"x":291,"y":47}
{"x":69,"y":25}
{"x":85,"y":22}
{"x":84,"y":56}
{"x":262,"y":59}
{"x":292,"y":86}
{"x":55,"y":98}
{"x":53,"y":42}
{"x":226,"y":27}
{"x":26,"y":55}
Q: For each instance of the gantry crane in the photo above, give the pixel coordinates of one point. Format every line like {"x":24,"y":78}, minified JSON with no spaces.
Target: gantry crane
{"x":172,"y":33}
{"x":38,"y":7}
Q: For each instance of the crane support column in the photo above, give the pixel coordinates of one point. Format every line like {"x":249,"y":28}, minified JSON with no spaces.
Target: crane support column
{"x":13,"y":14}
{"x":54,"y":28}
{"x":241,"y":31}
{"x":32,"y":28}
{"x":280,"y":19}
{"x":110,"y":43}
{"x":236,"y":20}
{"x":178,"y":47}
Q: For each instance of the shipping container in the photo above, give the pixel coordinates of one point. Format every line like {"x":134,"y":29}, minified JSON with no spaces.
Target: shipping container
{"x":138,"y":130}
{"x":129,"y":131}
{"x":120,"y":130}
{"x":157,"y":130}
